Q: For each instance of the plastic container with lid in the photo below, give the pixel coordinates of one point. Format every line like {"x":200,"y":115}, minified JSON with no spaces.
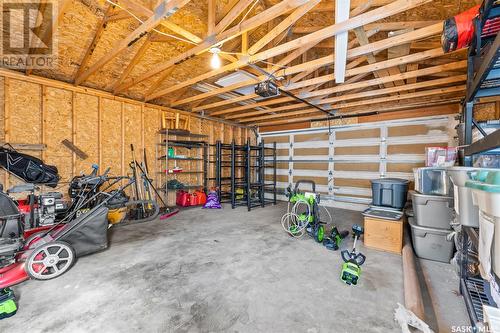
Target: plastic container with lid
{"x":390,"y":192}
{"x":431,"y":243}
{"x":433,"y":180}
{"x":468,"y":213}
{"x":485,"y":187}
{"x":432,"y":211}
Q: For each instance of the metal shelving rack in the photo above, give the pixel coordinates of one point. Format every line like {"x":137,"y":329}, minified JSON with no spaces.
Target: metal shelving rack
{"x":483,"y":80}
{"x":240,"y":174}
{"x":483,"y":76}
{"x":169,"y":138}
{"x":270,"y":162}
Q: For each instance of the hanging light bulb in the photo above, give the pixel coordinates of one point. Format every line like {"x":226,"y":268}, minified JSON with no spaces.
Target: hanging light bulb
{"x":215,"y":61}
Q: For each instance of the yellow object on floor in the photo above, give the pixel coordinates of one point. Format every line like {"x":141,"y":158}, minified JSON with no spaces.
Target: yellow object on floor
{"x":117,"y":215}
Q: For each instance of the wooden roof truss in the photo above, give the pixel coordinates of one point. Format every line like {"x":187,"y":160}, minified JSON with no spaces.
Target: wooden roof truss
{"x":405,"y":68}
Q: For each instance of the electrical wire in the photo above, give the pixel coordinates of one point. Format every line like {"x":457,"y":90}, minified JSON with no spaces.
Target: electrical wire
{"x":296,"y":225}
{"x":248,"y":12}
{"x":155,"y":30}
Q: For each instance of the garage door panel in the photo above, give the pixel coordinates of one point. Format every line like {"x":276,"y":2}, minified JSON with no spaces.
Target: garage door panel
{"x":311,"y":137}
{"x":369,"y":150}
{"x":310,"y":151}
{"x":310,"y":166}
{"x":365,"y":183}
{"x":357,"y":134}
{"x":409,"y":130}
{"x":416,"y":148}
{"x":403,"y":167}
{"x":317,"y":180}
{"x":357,"y":167}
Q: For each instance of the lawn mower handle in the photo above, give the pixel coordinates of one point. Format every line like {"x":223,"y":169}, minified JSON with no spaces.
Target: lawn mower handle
{"x":305,"y":181}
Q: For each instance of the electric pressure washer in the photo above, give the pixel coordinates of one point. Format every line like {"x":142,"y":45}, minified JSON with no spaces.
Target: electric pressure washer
{"x":295,"y":223}
{"x":351,"y":269}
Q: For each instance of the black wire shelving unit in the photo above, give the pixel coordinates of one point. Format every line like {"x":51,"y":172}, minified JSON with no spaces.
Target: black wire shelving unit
{"x":194,"y":165}
{"x":240,"y":174}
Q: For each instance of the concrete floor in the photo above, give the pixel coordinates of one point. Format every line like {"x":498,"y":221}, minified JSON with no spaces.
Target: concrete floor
{"x":214,"y":271}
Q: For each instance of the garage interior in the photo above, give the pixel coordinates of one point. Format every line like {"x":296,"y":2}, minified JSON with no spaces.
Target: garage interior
{"x":250,"y":166}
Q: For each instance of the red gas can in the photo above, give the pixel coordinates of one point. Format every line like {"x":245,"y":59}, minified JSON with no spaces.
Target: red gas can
{"x":198,"y":198}
{"x":183,"y":198}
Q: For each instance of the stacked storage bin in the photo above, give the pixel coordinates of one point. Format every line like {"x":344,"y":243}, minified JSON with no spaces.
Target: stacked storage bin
{"x":432,"y":203}
{"x":485,"y":187}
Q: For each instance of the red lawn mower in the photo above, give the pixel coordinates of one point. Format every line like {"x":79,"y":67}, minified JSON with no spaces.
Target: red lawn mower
{"x":47,"y":252}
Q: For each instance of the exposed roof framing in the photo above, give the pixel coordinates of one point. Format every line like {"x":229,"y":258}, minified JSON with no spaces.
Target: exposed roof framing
{"x":394,"y":58}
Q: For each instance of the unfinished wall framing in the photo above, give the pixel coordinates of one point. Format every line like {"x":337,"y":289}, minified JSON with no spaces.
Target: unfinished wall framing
{"x":36,"y":110}
{"x":343,"y":161}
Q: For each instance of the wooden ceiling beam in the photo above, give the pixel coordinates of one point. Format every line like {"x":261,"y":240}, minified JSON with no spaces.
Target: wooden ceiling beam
{"x":315,"y":114}
{"x":164,"y":10}
{"x":382,"y":26}
{"x":100,"y":28}
{"x":48,"y":34}
{"x":352,"y":64}
{"x":290,"y":57}
{"x":118,"y":15}
{"x":406,"y":87}
{"x":254,"y":105}
{"x":359,"y":51}
{"x":329,"y":6}
{"x":282,"y":26}
{"x":372,"y":67}
{"x":385,"y":99}
{"x":212,"y":8}
{"x":233,"y":13}
{"x":236,"y":31}
{"x":326,"y":61}
{"x":226,"y":9}
{"x":144,"y":12}
{"x":382,"y":12}
{"x":370,"y":57}
{"x":270,"y":110}
{"x":402,"y":76}
{"x":366,"y":94}
{"x":137,"y":57}
{"x":265,"y":103}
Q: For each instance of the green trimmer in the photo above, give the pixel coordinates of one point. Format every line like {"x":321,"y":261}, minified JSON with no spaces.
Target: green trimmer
{"x":8,"y":306}
{"x":351,"y":269}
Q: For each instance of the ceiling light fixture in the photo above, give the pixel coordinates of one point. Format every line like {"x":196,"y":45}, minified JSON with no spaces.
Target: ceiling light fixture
{"x":215,"y":62}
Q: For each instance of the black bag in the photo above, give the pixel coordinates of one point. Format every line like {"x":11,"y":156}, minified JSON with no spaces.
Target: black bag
{"x":29,"y":168}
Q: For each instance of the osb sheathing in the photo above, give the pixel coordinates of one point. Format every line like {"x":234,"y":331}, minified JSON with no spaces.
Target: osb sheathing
{"x":24,"y":118}
{"x":2,"y":105}
{"x":86,"y":113}
{"x":57,"y":126}
{"x":102,"y":127}
{"x":487,"y":111}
